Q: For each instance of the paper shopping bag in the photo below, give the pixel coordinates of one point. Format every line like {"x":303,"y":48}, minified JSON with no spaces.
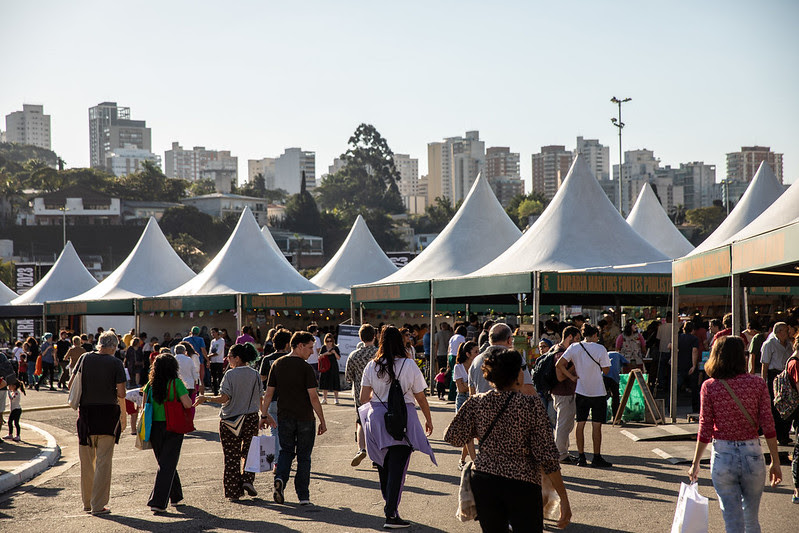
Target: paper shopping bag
{"x":691,"y":514}
{"x":261,"y":455}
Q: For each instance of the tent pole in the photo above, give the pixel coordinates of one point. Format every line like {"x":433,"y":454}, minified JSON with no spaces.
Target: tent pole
{"x":431,"y":371}
{"x":736,"y":304}
{"x":536,"y":308}
{"x":360,"y":312}
{"x":136,"y":318}
{"x":239,"y":317}
{"x":746,"y":310}
{"x":675,"y":333}
{"x":352,"y":311}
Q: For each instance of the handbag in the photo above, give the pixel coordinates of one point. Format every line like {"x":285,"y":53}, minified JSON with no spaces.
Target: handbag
{"x":145,"y":423}
{"x":261,"y":455}
{"x":691,"y":515}
{"x":235,"y":423}
{"x":467,"y":506}
{"x":178,"y":418}
{"x":141,"y":444}
{"x":324,"y":363}
{"x":76,"y":390}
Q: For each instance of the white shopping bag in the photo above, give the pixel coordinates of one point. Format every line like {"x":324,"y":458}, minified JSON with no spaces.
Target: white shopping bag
{"x":261,"y":456}
{"x":691,"y":513}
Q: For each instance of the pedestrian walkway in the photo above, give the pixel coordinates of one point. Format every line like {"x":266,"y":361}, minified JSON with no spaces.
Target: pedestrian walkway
{"x":13,"y":454}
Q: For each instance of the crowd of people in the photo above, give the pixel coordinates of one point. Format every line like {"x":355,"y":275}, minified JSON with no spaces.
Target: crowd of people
{"x":515,"y":436}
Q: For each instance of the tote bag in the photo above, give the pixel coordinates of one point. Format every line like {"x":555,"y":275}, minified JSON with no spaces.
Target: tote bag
{"x":261,"y":455}
{"x":146,"y":419}
{"x":77,"y":385}
{"x":691,"y":515}
{"x":178,"y":418}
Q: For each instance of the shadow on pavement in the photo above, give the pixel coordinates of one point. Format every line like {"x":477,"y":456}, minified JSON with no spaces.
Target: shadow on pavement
{"x":374,"y":485}
{"x":7,"y":499}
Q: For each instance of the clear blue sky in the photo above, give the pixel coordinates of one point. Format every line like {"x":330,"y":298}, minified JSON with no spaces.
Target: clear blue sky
{"x":255,"y":77}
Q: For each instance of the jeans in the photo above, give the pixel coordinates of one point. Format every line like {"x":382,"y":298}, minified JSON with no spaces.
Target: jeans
{"x":549,"y":409}
{"x":460,"y":399}
{"x":565,"y":407}
{"x":392,"y":477}
{"x":738,"y":471}
{"x":795,"y":464}
{"x":272,"y":410}
{"x":31,"y":372}
{"x":48,"y":369}
{"x":166,"y":447}
{"x":296,"y":439}
{"x":501,"y":501}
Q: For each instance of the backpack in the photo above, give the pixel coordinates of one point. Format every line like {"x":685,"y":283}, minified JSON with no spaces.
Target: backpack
{"x":396,"y":417}
{"x":786,"y":397}
{"x":324,"y":363}
{"x":544,"y":375}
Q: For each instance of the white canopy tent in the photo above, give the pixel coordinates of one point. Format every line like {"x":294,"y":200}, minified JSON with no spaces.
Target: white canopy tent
{"x":153,"y":267}
{"x":650,"y":220}
{"x":762,"y":192}
{"x":247,"y":263}
{"x":6,"y":294}
{"x":271,"y":240}
{"x":478,"y":232}
{"x":66,"y":278}
{"x":579,"y":229}
{"x":783,"y":211}
{"x":359,"y":260}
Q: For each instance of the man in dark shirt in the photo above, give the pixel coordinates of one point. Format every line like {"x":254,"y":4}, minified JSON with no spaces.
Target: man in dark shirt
{"x":294,"y":382}
{"x":688,"y":356}
{"x":86,"y":343}
{"x":563,"y":399}
{"x":61,"y":346}
{"x":280,"y":341}
{"x":103,"y":384}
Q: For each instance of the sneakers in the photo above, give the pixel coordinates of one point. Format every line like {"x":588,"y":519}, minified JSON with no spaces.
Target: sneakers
{"x":599,"y":462}
{"x":396,"y":523}
{"x":154,"y":509}
{"x":305,"y":502}
{"x":16,"y":439}
{"x":461,"y":464}
{"x":104,"y":510}
{"x":336,"y":402}
{"x":277,"y":493}
{"x":249,"y":489}
{"x":581,"y":460}
{"x":794,"y":499}
{"x":360,"y":456}
{"x":569,"y":460}
{"x":8,"y":437}
{"x":324,"y":401}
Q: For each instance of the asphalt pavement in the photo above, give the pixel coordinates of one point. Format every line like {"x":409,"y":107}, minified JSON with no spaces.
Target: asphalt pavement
{"x":637,"y":495}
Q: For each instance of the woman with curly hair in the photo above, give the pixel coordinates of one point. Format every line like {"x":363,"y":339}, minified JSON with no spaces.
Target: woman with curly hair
{"x":516,"y":446}
{"x":165,"y":385}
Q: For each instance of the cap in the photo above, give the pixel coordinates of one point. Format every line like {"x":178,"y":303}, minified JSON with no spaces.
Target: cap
{"x":195,"y":330}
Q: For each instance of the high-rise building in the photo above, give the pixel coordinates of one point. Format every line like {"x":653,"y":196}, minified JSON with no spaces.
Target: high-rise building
{"x":550,"y":168}
{"x":639,"y":167}
{"x":111,"y":128}
{"x":29,"y":126}
{"x":289,"y":168}
{"x":189,"y":164}
{"x":264,"y":167}
{"x":453,"y":165}
{"x":742,"y":166}
{"x":503,"y":173}
{"x":596,"y":155}
{"x":124,"y":161}
{"x":409,"y":184}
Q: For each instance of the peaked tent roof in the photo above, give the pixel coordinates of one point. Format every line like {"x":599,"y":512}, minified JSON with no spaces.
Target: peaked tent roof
{"x":6,"y":294}
{"x":151,"y":268}
{"x":359,"y":260}
{"x":763,"y":190}
{"x":652,"y":223}
{"x":453,"y":252}
{"x":579,"y":229}
{"x":271,"y":240}
{"x":66,"y":278}
{"x":783,"y":211}
{"x":247,"y":263}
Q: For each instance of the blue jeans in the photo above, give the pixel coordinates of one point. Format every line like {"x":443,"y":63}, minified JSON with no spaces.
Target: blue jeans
{"x":738,"y":471}
{"x":272,"y":410}
{"x":460,"y":400}
{"x":296,"y":439}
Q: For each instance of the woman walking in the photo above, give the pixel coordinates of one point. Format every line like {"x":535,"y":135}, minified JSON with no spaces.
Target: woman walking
{"x":391,"y":455}
{"x":467,"y":351}
{"x":631,"y":344}
{"x":329,"y":379}
{"x":734,"y":404}
{"x":240,"y":395}
{"x":516,"y":446}
{"x":31,"y":348}
{"x":165,"y":385}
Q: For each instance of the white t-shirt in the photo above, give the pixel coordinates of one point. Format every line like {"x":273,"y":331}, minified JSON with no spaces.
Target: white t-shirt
{"x":17,"y":352}
{"x":454,"y":342}
{"x":317,"y":345}
{"x":217,"y":354}
{"x":664,"y":336}
{"x":187,"y":371}
{"x":460,"y":373}
{"x":410,"y":378}
{"x":589,"y":375}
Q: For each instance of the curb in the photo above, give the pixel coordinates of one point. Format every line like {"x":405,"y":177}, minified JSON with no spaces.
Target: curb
{"x":24,"y":472}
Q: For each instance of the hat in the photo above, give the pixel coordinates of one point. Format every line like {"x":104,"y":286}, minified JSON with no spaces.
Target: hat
{"x":195,"y":330}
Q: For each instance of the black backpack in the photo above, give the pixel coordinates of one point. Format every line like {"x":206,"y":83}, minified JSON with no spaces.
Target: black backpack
{"x":396,"y":417}
{"x":544,"y":375}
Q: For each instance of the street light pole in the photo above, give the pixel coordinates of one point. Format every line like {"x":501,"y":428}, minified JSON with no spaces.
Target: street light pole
{"x":619,"y":124}
{"x":64,"y":225}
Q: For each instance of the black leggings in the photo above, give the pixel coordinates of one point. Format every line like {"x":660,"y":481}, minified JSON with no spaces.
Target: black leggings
{"x":392,"y":477}
{"x":13,"y":418}
{"x":501,"y":501}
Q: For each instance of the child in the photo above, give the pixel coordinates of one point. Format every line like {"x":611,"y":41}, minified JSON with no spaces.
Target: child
{"x":441,"y":381}
{"x":132,"y":405}
{"x":16,"y":411}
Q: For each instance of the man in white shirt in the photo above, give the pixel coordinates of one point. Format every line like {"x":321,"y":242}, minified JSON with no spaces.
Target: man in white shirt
{"x":187,"y":370}
{"x":216,"y":359}
{"x":774,"y":354}
{"x":591,"y":362}
{"x":313,"y":360}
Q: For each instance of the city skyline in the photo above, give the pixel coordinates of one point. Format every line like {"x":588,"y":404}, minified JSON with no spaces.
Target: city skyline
{"x":257,"y":113}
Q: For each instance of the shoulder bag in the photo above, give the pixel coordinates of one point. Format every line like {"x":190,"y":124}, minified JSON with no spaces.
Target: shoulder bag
{"x":467,"y":506}
{"x":145,"y":422}
{"x":604,"y":382}
{"x":178,"y":418}
{"x":236,"y":423}
{"x":77,"y":384}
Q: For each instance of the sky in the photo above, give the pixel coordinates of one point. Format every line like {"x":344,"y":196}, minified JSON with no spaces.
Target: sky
{"x":256,"y":77}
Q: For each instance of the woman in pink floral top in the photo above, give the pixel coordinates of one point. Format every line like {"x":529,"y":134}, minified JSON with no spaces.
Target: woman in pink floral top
{"x":737,"y":467}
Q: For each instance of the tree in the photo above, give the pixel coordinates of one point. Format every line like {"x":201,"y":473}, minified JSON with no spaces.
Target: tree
{"x":151,"y":184}
{"x":529,"y":207}
{"x":188,"y":248}
{"x":436,"y":216}
{"x":202,"y":187}
{"x":257,"y":188}
{"x":707,"y":219}
{"x":513,"y":207}
{"x":302,"y":214}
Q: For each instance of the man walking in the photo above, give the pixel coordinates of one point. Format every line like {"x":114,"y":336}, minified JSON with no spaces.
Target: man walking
{"x":563,"y":397}
{"x":103,"y":385}
{"x":353,"y":373}
{"x":198,"y":344}
{"x":280,"y":342}
{"x":500,"y":338}
{"x":216,"y":359}
{"x":591,"y":362}
{"x":294,"y":382}
{"x":774,"y":354}
{"x":62,"y":346}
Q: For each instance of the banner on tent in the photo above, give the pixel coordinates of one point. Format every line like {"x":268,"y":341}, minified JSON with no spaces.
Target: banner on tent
{"x":601,"y":283}
{"x":704,"y":266}
{"x":71,"y":308}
